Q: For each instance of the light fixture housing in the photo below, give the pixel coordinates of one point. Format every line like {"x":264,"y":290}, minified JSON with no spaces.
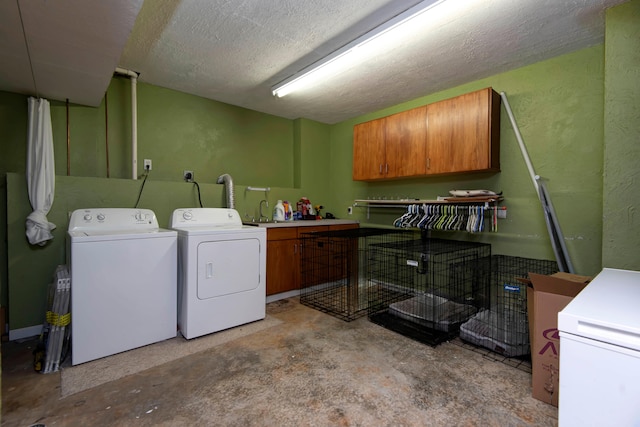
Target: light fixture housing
{"x":320,"y":67}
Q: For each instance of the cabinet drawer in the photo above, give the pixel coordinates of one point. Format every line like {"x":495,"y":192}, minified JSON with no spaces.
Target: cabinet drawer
{"x":343,"y":227}
{"x":283,"y":233}
{"x":312,"y":229}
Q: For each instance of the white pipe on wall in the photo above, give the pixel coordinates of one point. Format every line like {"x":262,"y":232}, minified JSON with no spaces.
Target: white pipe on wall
{"x":134,"y":119}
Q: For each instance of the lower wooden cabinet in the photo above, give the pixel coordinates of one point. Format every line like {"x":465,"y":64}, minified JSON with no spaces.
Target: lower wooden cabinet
{"x":342,"y":256}
{"x":285,"y":256}
{"x":282,"y":259}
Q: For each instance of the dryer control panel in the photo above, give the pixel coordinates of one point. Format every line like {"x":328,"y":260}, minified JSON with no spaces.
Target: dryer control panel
{"x":205,"y":217}
{"x":112,"y":219}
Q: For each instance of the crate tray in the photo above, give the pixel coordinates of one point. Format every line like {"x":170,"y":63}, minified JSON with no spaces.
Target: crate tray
{"x":482,"y":330}
{"x":433,"y":311}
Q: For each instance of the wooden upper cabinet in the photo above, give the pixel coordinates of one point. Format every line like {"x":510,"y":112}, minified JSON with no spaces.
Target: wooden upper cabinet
{"x":391,"y":147}
{"x":460,"y":134}
{"x":369,"y":159}
{"x":406,"y":143}
{"x":464,"y":133}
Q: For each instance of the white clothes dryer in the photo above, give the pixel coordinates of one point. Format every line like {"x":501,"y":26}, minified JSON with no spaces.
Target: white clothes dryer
{"x":123,"y":281}
{"x":221,"y":270}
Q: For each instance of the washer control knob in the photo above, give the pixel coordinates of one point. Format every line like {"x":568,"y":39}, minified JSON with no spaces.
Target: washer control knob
{"x":87,"y":217}
{"x":187,"y":215}
{"x":139,"y":216}
{"x":100,"y":217}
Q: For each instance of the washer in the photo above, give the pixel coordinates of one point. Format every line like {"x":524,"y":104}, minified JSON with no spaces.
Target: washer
{"x":221,"y":270}
{"x":123,"y":281}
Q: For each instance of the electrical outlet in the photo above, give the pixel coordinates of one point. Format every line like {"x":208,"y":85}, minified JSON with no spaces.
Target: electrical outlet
{"x":147,"y":164}
{"x":350,"y":210}
{"x":188,"y":176}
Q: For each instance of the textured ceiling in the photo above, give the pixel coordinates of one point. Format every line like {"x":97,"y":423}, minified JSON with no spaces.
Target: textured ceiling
{"x":233,"y":51}
{"x":68,"y":49}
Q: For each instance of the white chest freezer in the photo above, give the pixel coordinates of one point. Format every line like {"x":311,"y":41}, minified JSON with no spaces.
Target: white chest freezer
{"x":600,"y":353}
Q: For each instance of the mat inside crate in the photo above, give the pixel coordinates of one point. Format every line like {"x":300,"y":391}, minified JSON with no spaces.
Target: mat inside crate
{"x":503,"y":326}
{"x":432,"y":311}
{"x":487,"y":329}
{"x":409,"y":329}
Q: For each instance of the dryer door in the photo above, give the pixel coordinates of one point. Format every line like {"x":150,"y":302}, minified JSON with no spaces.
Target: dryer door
{"x":227,"y":267}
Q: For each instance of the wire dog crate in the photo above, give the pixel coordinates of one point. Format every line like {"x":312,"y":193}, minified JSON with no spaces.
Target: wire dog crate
{"x":442,"y":284}
{"x":339,"y":276}
{"x":503,"y":326}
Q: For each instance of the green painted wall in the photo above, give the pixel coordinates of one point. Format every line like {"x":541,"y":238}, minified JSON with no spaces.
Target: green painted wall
{"x":621,"y":231}
{"x":314,"y":165}
{"x":558,"y":107}
{"x":177,"y":132}
{"x":13,"y":155}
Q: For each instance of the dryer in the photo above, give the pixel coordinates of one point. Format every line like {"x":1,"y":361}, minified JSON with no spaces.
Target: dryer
{"x":123,"y":281}
{"x":221,"y":270}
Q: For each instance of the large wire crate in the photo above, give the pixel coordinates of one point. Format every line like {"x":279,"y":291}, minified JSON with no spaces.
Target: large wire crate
{"x":503,"y":326}
{"x":338,"y":275}
{"x":441,"y":284}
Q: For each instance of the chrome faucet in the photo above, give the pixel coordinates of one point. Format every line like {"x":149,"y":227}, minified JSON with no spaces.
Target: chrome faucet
{"x":262,"y":216}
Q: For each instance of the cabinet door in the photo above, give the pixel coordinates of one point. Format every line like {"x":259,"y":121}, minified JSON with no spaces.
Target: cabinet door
{"x":406,"y":143}
{"x":461,"y":136}
{"x":283,"y":260}
{"x":313,"y":255}
{"x":369,"y":161}
{"x":282,"y":266}
{"x":343,"y":258}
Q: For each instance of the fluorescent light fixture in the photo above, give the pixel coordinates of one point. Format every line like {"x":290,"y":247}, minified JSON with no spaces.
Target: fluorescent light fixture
{"x":331,"y":63}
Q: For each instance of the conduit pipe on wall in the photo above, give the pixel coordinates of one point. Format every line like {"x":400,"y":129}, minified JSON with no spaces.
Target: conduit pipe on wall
{"x":134,"y":119}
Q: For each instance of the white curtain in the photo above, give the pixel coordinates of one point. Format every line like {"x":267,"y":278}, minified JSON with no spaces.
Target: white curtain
{"x":41,"y":172}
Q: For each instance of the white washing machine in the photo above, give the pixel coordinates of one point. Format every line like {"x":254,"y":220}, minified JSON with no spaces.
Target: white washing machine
{"x":221,"y":270}
{"x":123,"y":281}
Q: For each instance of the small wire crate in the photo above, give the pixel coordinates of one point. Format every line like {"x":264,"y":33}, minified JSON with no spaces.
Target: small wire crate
{"x":503,"y":326}
{"x":441,"y":284}
{"x":340,"y":277}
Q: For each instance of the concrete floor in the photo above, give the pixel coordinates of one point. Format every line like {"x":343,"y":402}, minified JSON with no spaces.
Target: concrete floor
{"x":310,"y":370}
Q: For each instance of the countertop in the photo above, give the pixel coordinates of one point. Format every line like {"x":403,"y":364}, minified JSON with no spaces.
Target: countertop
{"x":309,"y":223}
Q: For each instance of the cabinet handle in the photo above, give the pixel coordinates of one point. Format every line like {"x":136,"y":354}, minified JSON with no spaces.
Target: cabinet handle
{"x":428,"y":163}
{"x":295,"y":248}
{"x":380,"y":169}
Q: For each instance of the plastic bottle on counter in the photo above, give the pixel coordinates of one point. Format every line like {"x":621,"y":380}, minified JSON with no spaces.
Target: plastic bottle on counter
{"x":278,"y":211}
{"x":305,"y":207}
{"x":288,"y":211}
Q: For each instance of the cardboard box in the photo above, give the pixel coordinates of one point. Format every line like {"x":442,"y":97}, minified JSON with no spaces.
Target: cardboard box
{"x":546,"y":297}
